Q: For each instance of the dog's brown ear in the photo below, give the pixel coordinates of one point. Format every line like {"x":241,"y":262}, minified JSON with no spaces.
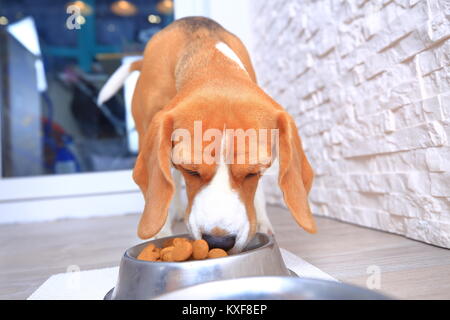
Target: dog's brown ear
{"x":295,"y":175}
{"x":152,"y":174}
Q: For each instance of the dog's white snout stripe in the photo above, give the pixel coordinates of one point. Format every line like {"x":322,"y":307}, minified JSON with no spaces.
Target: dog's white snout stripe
{"x":218,"y":205}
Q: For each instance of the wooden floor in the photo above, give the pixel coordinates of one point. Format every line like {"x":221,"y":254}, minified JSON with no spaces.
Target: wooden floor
{"x":30,"y":253}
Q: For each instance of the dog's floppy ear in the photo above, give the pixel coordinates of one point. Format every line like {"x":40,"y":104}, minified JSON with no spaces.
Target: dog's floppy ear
{"x":152,"y":174}
{"x":295,"y":175}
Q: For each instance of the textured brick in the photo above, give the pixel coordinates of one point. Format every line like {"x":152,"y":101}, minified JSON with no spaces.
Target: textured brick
{"x":440,"y":184}
{"x":368,"y":84}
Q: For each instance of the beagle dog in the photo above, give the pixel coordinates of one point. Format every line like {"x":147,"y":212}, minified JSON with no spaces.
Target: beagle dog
{"x":194,"y":71}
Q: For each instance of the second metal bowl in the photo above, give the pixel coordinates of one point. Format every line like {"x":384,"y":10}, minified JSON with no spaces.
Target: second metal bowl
{"x":273,"y":288}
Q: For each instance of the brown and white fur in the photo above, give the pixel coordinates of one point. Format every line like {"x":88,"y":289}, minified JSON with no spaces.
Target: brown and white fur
{"x":196,"y":70}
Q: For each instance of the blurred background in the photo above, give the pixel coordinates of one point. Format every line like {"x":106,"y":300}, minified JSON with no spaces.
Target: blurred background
{"x":57,"y":54}
{"x":59,"y":152}
{"x":367,"y":82}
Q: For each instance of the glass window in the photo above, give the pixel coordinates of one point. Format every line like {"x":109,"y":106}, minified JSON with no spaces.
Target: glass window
{"x":55,"y":55}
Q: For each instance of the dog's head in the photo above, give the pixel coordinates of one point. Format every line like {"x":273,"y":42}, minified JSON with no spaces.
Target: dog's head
{"x":202,"y":138}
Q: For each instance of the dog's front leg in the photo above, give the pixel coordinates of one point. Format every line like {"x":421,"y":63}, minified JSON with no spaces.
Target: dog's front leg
{"x":263,"y":223}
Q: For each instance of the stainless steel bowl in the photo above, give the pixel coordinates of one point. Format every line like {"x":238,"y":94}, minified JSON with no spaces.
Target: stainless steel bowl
{"x":273,"y":288}
{"x":146,"y":280}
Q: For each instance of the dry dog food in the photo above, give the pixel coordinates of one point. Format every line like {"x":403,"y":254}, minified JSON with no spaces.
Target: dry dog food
{"x":150,"y":253}
{"x":216,"y":253}
{"x":200,"y":249}
{"x":180,"y":249}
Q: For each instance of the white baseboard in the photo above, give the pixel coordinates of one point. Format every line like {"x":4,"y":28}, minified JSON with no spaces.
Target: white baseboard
{"x":71,"y":207}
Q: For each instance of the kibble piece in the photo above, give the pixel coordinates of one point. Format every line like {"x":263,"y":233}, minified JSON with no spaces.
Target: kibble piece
{"x":171,"y":242}
{"x":166,"y":254}
{"x":182,"y":250}
{"x":168,"y":243}
{"x":165,"y":250}
{"x":200,"y":249}
{"x":167,"y":257}
{"x":217,"y":253}
{"x":178,"y":241}
{"x":150,"y":253}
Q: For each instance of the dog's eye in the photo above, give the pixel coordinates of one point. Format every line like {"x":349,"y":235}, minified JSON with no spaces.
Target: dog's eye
{"x":251,"y":175}
{"x":192,"y":173}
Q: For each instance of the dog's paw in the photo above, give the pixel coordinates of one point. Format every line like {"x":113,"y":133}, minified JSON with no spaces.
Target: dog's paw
{"x":265,"y":227}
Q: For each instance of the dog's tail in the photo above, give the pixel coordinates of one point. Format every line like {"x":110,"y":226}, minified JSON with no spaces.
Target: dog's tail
{"x":116,"y":81}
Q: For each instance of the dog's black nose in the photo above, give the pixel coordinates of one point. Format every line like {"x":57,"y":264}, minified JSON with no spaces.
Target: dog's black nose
{"x":222,"y":242}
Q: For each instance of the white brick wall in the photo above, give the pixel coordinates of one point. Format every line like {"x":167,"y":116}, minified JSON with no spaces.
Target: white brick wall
{"x":368,"y":83}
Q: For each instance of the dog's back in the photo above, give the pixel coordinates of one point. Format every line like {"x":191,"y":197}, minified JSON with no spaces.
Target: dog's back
{"x":191,"y":25}
{"x":196,"y":37}
{"x":176,"y":55}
